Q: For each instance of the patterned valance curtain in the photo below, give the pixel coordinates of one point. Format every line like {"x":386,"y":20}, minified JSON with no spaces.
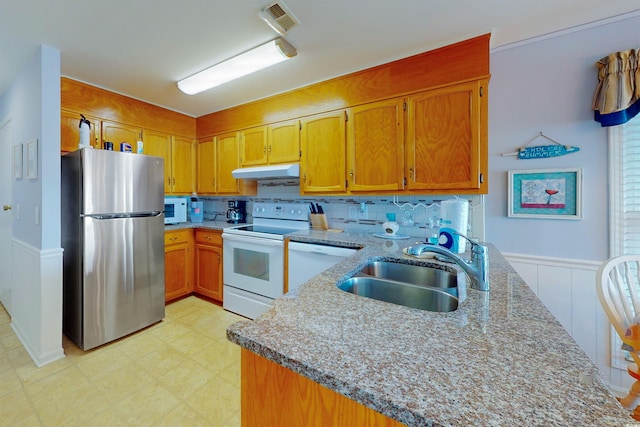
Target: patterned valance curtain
{"x":617,"y":97}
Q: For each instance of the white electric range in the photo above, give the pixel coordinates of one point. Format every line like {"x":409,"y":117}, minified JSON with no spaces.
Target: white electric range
{"x":253,"y":257}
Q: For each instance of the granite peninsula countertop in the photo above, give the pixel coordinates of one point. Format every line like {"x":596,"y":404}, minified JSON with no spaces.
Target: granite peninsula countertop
{"x":500,"y":359}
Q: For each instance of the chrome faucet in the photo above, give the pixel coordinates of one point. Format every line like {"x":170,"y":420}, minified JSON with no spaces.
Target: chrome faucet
{"x":477,"y":268}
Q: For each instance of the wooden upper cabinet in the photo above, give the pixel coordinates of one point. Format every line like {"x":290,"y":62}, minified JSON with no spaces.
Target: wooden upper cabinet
{"x":205,"y":166}
{"x":118,"y":133}
{"x":253,"y":146}
{"x":227,"y":157}
{"x":283,"y":142}
{"x":159,"y":144}
{"x":272,"y":144}
{"x":70,"y":131}
{"x":375,"y":146}
{"x":444,"y":128}
{"x":182,"y":165}
{"x":323,"y":144}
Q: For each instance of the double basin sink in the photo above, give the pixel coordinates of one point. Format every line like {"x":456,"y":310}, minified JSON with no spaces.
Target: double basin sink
{"x":410,"y":285}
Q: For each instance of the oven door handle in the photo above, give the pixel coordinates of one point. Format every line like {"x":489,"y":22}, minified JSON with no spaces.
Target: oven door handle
{"x":253,"y":240}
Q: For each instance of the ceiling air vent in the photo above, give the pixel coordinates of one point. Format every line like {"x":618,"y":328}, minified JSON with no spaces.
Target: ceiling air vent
{"x":279,"y":17}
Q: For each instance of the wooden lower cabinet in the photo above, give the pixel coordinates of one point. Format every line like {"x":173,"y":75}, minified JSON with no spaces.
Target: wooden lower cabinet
{"x":208,"y":264}
{"x":193,"y":263}
{"x":178,"y":264}
{"x":273,"y":395}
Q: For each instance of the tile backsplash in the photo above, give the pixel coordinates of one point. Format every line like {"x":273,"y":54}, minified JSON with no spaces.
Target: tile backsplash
{"x":356,"y":213}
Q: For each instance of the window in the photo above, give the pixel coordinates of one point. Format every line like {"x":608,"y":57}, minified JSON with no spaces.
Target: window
{"x":624,"y":206}
{"x":624,"y":188}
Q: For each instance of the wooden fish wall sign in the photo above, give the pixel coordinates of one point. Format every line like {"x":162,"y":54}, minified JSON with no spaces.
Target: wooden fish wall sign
{"x":543,"y":151}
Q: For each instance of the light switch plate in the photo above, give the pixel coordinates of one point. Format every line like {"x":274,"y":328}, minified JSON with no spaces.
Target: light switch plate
{"x":353,"y":212}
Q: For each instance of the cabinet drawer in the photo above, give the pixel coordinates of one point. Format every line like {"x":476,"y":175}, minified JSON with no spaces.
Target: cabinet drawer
{"x":212,"y":237}
{"x":177,"y":236}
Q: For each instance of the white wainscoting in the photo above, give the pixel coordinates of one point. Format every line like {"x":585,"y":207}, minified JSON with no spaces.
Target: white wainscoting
{"x":36,"y":315}
{"x":567,"y":287}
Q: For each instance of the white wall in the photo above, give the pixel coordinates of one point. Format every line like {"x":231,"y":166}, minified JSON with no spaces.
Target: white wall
{"x":33,"y":103}
{"x":548,"y":86}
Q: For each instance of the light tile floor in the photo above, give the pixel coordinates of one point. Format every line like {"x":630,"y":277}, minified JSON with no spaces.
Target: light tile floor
{"x":179,"y":372}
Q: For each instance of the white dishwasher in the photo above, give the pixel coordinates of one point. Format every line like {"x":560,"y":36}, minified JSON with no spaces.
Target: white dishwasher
{"x":307,"y":260}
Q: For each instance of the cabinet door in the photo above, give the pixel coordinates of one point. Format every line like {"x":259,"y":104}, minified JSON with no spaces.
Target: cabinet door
{"x":70,"y":131}
{"x":182,"y":165}
{"x":159,"y":144}
{"x":375,"y":146}
{"x":253,"y":146}
{"x":283,"y":142}
{"x":322,"y":165}
{"x":118,"y":133}
{"x":208,"y":264}
{"x":205,"y":166}
{"x":178,"y":264}
{"x":227,"y":161}
{"x":443,"y":138}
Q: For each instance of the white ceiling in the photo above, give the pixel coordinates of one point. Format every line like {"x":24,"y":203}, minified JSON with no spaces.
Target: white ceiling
{"x":141,"y":47}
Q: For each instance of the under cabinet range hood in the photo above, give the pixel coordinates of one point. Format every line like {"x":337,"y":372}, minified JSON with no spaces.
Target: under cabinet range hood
{"x":268,"y":172}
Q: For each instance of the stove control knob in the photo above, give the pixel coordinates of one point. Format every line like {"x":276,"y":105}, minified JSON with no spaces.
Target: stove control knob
{"x":292,"y":212}
{"x":299,"y":212}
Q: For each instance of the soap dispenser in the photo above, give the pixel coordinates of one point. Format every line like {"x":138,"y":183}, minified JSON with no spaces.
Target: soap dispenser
{"x":390,"y":226}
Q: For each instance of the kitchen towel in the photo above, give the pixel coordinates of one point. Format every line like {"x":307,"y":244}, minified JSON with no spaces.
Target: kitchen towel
{"x":454,"y":216}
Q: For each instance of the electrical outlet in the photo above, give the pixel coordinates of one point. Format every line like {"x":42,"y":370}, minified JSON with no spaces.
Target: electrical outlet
{"x":353,"y":213}
{"x":364,"y":211}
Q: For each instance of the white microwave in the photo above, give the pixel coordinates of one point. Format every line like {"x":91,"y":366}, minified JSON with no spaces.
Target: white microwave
{"x":175,"y":210}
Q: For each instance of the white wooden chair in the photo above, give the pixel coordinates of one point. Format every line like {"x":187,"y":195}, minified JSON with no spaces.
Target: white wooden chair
{"x":618,"y":287}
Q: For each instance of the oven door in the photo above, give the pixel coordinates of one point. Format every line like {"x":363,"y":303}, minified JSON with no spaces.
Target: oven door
{"x":254,"y":264}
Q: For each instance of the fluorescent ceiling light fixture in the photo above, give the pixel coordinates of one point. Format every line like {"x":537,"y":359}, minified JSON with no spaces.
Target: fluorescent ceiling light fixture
{"x":253,"y":60}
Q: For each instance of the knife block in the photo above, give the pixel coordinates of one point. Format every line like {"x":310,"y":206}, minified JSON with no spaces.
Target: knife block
{"x":319,"y":221}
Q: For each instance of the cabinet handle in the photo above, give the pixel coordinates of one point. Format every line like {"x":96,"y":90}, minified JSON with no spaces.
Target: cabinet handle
{"x":264,"y":150}
{"x":351,"y":175}
{"x":411,"y":172}
{"x":304,"y":177}
{"x":269,"y":149}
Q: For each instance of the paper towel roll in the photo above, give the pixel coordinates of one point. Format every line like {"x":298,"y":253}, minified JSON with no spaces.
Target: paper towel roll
{"x":454,"y":217}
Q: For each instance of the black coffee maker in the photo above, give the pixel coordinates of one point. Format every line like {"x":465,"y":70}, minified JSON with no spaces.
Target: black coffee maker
{"x":237,"y":212}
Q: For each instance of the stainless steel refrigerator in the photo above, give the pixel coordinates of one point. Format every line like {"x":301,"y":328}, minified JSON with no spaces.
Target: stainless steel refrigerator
{"x":113,"y":241}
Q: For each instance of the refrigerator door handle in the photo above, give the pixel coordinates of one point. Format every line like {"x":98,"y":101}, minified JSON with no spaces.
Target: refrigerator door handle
{"x":123,"y":215}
